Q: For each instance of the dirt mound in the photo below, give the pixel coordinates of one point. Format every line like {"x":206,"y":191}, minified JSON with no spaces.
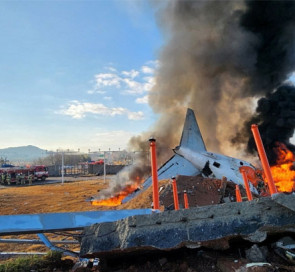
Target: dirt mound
{"x":200,"y":191}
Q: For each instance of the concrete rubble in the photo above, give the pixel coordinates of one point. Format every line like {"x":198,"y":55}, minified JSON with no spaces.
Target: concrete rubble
{"x":215,"y":234}
{"x":208,"y":226}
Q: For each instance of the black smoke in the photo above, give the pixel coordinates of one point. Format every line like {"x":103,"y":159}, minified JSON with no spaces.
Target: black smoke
{"x":275,"y":116}
{"x":273,"y":23}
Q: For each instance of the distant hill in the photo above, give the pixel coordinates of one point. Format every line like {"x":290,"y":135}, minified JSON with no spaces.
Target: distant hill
{"x":22,"y":154}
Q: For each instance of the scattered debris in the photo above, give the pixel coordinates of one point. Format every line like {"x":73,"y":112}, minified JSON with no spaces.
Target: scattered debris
{"x":285,"y":248}
{"x":205,"y":226}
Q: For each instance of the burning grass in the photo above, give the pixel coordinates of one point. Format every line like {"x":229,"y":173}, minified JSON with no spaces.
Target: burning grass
{"x":117,"y":199}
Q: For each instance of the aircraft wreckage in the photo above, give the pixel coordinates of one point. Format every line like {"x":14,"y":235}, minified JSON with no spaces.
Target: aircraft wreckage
{"x":214,"y":226}
{"x":211,"y":226}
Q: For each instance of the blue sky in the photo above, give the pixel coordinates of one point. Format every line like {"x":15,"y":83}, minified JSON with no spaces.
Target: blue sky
{"x":76,"y":74}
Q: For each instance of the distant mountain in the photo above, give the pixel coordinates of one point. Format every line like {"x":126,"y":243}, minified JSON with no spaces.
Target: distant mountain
{"x":22,"y":154}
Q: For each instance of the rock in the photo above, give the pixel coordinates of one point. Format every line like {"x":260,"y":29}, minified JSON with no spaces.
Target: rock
{"x":255,"y":254}
{"x":162,"y":261}
{"x":257,"y":236}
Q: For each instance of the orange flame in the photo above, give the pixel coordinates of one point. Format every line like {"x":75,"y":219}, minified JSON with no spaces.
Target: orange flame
{"x":282,"y":172}
{"x":117,"y":199}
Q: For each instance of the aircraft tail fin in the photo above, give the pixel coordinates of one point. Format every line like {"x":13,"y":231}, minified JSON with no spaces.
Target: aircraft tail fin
{"x":191,"y":135}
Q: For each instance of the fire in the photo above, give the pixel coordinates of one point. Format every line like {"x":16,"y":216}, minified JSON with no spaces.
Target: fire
{"x":117,"y":199}
{"x":111,"y":202}
{"x":282,"y":172}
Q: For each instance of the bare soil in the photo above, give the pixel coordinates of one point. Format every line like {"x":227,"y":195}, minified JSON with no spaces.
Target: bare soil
{"x":51,"y":198}
{"x":67,"y":197}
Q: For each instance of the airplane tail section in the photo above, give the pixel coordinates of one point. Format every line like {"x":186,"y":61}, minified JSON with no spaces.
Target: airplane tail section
{"x":191,"y":135}
{"x":178,"y":165}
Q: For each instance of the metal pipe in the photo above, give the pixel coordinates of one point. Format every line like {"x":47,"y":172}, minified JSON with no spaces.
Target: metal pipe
{"x":154,"y":173}
{"x":33,"y":241}
{"x":238,"y":194}
{"x":47,"y":243}
{"x":186,"y":205}
{"x":175,"y":194}
{"x":9,"y":254}
{"x":249,"y":194}
{"x":264,"y":160}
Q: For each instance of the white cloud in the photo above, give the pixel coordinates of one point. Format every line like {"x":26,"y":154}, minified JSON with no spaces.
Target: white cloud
{"x":147,"y":70}
{"x":111,"y":68}
{"x":107,"y":79}
{"x":142,"y":100}
{"x":149,"y":83}
{"x":96,"y":92}
{"x":133,"y":87}
{"x":135,"y":115}
{"x":133,"y":73}
{"x":78,"y":110}
{"x":107,"y":98}
{"x":136,"y":87}
{"x":125,"y":80}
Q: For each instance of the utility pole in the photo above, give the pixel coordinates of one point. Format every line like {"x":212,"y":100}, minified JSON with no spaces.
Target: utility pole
{"x":62,"y":166}
{"x":104,"y":167}
{"x":63,"y":152}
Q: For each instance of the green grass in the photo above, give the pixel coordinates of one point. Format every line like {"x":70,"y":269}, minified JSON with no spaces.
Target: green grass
{"x":46,"y":263}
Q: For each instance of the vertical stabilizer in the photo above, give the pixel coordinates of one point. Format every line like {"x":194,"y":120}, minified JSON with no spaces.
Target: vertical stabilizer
{"x":191,"y":135}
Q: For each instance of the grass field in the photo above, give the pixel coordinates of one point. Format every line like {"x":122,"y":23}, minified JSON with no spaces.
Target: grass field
{"x":67,"y":197}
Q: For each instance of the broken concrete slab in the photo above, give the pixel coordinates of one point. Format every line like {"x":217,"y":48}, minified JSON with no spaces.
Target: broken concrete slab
{"x":284,"y":200}
{"x":195,"y":227}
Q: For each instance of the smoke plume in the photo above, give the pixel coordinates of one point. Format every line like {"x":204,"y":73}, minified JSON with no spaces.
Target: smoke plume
{"x":220,"y":56}
{"x":273,"y":23}
{"x":218,"y":59}
{"x":275,"y":115}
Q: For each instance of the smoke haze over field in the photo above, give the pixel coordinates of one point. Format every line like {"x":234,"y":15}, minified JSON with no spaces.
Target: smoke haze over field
{"x":219,"y":58}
